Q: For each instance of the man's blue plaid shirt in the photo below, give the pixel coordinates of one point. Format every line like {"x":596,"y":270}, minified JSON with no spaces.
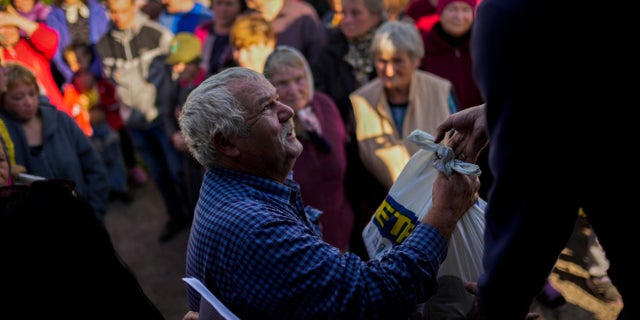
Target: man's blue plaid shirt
{"x":260,"y":251}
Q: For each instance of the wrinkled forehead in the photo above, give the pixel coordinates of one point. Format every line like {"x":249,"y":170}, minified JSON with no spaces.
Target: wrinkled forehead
{"x":252,"y":94}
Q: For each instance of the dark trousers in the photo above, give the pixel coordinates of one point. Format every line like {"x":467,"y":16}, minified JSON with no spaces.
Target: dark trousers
{"x":165,"y":165}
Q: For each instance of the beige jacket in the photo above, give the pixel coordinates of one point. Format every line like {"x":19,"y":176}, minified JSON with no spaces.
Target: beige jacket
{"x":383,"y":149}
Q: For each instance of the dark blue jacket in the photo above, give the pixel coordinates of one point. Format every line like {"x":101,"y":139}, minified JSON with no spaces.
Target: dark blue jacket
{"x":66,"y":153}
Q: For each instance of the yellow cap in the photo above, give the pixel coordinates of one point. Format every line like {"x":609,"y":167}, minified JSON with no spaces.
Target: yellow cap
{"x":185,"y":47}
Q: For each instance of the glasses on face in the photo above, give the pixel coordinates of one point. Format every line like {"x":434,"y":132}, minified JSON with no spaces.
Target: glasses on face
{"x":395,"y":62}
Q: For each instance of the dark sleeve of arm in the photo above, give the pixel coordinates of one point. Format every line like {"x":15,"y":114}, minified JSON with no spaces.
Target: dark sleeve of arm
{"x":94,"y":172}
{"x":160,"y":77}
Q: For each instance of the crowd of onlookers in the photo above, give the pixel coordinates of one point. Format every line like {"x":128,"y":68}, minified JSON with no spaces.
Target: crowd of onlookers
{"x":95,"y":90}
{"x":122,"y":69}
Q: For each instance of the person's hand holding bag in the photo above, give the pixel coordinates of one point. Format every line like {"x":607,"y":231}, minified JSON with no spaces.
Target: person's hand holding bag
{"x":470,"y":135}
{"x":454,"y":193}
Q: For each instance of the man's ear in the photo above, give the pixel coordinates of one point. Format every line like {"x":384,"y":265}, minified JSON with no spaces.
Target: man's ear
{"x":225,"y":145}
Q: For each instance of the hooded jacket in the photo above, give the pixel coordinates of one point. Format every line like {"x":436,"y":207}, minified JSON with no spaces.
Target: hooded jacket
{"x":66,"y":153}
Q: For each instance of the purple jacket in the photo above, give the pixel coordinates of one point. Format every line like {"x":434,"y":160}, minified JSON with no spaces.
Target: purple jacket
{"x":321,"y":175}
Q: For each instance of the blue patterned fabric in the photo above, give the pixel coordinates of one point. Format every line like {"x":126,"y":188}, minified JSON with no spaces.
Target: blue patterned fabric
{"x":253,"y":246}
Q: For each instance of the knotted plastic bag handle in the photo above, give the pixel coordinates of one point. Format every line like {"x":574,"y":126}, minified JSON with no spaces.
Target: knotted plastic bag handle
{"x":446,"y":161}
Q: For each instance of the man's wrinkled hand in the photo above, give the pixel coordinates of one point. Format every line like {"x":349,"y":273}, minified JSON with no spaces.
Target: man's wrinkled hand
{"x":469,"y":136}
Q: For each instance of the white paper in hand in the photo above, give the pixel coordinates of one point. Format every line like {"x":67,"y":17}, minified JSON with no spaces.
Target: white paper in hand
{"x":211,"y":308}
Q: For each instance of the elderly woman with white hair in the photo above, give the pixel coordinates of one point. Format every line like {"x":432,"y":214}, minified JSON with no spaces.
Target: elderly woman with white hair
{"x":401,"y":99}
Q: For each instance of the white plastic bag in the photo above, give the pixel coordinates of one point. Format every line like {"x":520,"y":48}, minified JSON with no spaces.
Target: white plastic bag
{"x":409,"y":200}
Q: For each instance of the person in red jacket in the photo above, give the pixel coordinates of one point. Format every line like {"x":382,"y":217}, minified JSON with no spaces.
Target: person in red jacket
{"x":423,"y":13}
{"x":35,"y":51}
{"x":448,"y":50}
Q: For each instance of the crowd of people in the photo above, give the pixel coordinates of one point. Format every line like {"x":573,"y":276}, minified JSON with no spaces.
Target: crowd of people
{"x":274,"y":129}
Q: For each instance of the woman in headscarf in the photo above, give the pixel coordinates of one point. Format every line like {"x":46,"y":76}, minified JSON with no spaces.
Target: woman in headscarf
{"x":321,"y":168}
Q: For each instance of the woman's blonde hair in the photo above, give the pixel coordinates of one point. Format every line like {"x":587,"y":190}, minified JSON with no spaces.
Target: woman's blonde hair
{"x":251,"y":29}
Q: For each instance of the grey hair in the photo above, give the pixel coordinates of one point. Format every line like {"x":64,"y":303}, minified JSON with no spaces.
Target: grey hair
{"x":397,"y":36}
{"x":287,"y":56}
{"x":212,"y":109}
